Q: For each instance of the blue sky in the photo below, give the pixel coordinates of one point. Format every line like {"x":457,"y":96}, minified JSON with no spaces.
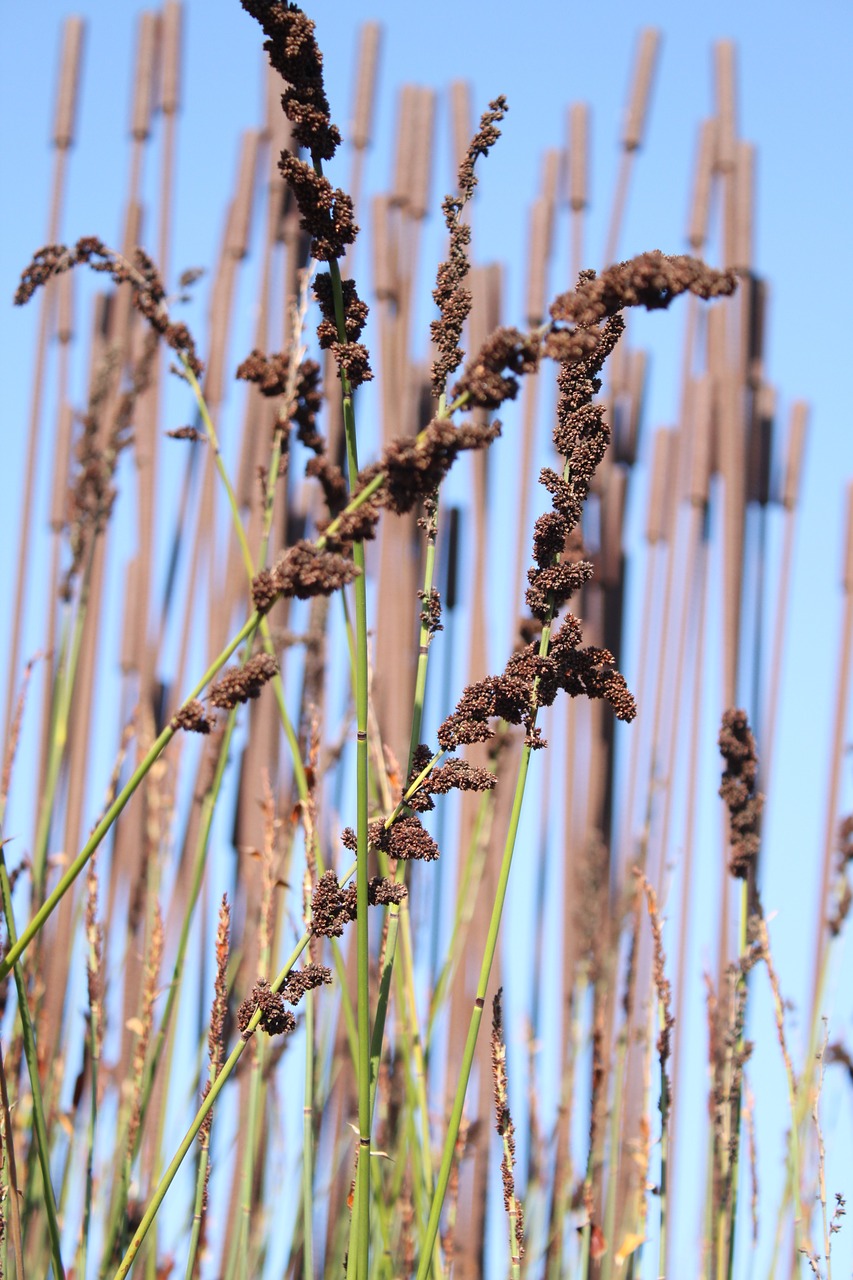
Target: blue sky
{"x":794,"y":104}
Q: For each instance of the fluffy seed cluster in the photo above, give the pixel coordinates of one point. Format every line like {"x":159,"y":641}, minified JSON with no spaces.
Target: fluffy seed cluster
{"x":295,"y":54}
{"x":510,"y":696}
{"x":406,"y":838}
{"x":450,"y":295}
{"x":147,"y":292}
{"x":305,"y":979}
{"x":651,"y":280}
{"x":106,"y":431}
{"x":504,"y":1123}
{"x":332,"y":908}
{"x":843,"y":893}
{"x":326,"y":213}
{"x":576,"y":329}
{"x":303,"y":571}
{"x":239,"y":684}
{"x":271,"y":374}
{"x":351,"y":356}
{"x":185,"y":433}
{"x":454,"y":774}
{"x":275,"y":1019}
{"x":492,"y":376}
{"x":431,"y":611}
{"x":191,"y":716}
{"x":744,"y":803}
{"x":413,"y":468}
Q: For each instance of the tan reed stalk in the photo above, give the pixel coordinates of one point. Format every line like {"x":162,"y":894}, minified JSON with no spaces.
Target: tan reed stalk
{"x":364,"y":104}
{"x":703,"y":176}
{"x":797,"y":430}
{"x":59,"y":496}
{"x":171,"y":37}
{"x":540,"y":249}
{"x":633,"y":131}
{"x":835,"y":767}
{"x":573,"y":992}
{"x":655,"y":564}
{"x":659,"y":533}
{"x":219,"y":308}
{"x":687,"y":869}
{"x":484,"y":318}
{"x":398,"y":572}
{"x":145,"y":96}
{"x":732,"y":463}
{"x":63,"y":138}
{"x":661,"y":527}
{"x":578,"y":150}
{"x":725,"y":86}
{"x":695,"y":519}
{"x":699,"y":496}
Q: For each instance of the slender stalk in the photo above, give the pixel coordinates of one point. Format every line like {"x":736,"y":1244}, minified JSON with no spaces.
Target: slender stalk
{"x":476,"y":1015}
{"x":215,"y":1090}
{"x":738,"y":1100}
{"x":154,"y":752}
{"x":31,"y":1054}
{"x":11,"y":1179}
{"x":485,"y":968}
{"x":362,"y":785}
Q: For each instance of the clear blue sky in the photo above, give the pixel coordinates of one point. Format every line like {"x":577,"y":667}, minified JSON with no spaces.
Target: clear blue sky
{"x":796,"y":105}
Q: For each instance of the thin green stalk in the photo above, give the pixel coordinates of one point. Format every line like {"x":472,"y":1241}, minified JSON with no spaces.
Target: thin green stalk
{"x":472,"y":872}
{"x":31,"y":1054}
{"x":95,"y":1055}
{"x":485,"y":970}
{"x":195,"y":1233}
{"x":362,"y":785}
{"x":216,"y":1088}
{"x":476,"y":1014}
{"x":161,"y":1043}
{"x":61,"y":709}
{"x":154,"y":752}
{"x":308,"y":1143}
{"x":733,"y":1191}
{"x":11,"y":1180}
{"x":257,"y":1090}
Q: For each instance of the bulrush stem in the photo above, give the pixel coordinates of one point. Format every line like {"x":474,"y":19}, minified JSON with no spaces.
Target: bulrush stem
{"x":362,"y":1194}
{"x":154,"y":752}
{"x":448,"y":1152}
{"x":191,"y":1133}
{"x":474,"y":1025}
{"x":31,"y":1054}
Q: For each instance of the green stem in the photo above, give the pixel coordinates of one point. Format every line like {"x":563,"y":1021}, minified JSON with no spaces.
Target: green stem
{"x":486,"y":966}
{"x":31,"y":1055}
{"x":190,"y":1135}
{"x":362,"y":786}
{"x":154,"y":752}
{"x":476,"y":1018}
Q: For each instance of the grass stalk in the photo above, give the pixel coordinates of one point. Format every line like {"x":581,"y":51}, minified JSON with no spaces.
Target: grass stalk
{"x":216,"y":1088}
{"x":476,"y":1013}
{"x":362,"y":788}
{"x":154,"y":752}
{"x":31,"y":1055}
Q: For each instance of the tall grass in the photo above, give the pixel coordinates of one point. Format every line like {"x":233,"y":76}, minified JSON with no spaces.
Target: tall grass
{"x":248,"y":1040}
